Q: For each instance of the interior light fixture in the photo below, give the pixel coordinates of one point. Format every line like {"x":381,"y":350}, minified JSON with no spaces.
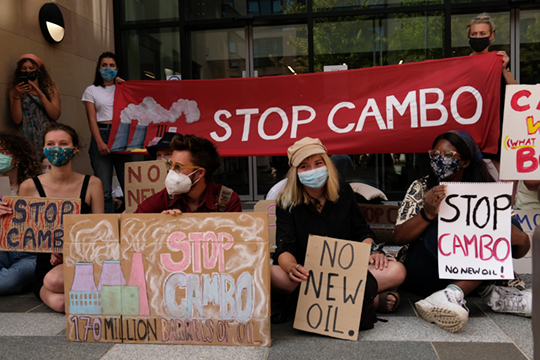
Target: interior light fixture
{"x":51,"y":23}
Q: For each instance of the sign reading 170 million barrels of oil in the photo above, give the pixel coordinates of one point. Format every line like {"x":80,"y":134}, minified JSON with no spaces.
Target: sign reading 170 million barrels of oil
{"x":202,"y":279}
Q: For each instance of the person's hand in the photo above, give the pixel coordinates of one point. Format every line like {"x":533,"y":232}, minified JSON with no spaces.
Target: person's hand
{"x":33,"y":86}
{"x":379,"y":260}
{"x":119,"y":80}
{"x":298,"y":273}
{"x":433,"y":199}
{"x":5,"y":209}
{"x":21,"y":89}
{"x":56,"y":258}
{"x":505,"y":59}
{"x":172,"y":212}
{"x":103,"y":148}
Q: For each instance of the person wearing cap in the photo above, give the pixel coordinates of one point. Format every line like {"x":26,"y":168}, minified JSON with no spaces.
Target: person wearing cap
{"x":34,"y":99}
{"x":314,"y":201}
{"x":189,"y":185}
{"x":455,"y":157}
{"x":162,"y":150}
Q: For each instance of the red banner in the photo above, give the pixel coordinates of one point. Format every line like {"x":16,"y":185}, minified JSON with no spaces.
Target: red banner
{"x":387,"y":109}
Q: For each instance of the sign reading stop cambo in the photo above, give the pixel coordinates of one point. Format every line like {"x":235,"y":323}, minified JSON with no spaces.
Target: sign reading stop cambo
{"x":201,"y":279}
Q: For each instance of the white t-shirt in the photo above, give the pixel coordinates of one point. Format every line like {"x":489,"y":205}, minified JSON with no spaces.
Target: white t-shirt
{"x":103,"y":100}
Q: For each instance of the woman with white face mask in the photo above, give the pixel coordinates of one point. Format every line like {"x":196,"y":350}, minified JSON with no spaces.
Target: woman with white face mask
{"x":61,"y":144}
{"x":454,"y":157}
{"x":314,"y":202}
{"x":189,"y":185}
{"x":18,"y":162}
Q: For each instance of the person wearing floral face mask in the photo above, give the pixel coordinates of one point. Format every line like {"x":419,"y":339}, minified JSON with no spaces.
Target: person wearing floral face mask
{"x":61,"y":144}
{"x":189,"y":185}
{"x":18,"y":162}
{"x":34,"y":99}
{"x":454,"y":157}
{"x":315,"y":202}
{"x":481,"y":33}
{"x":98,"y":100}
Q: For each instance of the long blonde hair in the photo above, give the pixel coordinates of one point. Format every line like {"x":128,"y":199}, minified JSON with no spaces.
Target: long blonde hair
{"x":294,"y":193}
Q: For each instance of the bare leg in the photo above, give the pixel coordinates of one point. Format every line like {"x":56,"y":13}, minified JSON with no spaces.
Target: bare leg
{"x":52,"y":291}
{"x":387,"y":279}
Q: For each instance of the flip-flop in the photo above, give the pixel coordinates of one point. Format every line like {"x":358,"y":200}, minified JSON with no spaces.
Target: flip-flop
{"x":383,"y":299}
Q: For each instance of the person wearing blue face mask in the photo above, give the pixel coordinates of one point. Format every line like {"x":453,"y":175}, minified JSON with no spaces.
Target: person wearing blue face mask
{"x":454,"y":157}
{"x":314,"y":201}
{"x":61,"y":144}
{"x":98,"y":100}
{"x":34,"y":99}
{"x":18,"y":162}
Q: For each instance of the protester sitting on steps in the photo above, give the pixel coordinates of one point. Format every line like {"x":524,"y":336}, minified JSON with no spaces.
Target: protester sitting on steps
{"x":455,"y":157}
{"x":189,"y":186}
{"x":162,"y":150}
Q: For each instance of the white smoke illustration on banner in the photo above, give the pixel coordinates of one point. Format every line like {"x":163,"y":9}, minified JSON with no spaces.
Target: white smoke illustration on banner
{"x":147,"y":112}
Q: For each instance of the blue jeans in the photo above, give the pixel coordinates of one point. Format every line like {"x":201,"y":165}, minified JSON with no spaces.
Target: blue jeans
{"x":103,"y":168}
{"x":16,"y":271}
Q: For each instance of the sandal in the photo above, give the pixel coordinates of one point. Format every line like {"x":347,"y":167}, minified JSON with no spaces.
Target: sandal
{"x":383,"y":299}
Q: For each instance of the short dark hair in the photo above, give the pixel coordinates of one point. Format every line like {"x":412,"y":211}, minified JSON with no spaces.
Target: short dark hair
{"x":56,"y":126}
{"x":22,"y":150}
{"x":98,"y":80}
{"x":203,"y":152}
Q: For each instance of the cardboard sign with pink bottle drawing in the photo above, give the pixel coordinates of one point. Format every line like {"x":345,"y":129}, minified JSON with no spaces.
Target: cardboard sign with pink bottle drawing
{"x":198,"y":279}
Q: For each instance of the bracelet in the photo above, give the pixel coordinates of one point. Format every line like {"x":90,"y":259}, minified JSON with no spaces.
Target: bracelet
{"x":424,"y":216}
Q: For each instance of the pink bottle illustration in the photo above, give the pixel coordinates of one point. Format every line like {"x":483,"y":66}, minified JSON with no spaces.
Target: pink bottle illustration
{"x":137,"y":278}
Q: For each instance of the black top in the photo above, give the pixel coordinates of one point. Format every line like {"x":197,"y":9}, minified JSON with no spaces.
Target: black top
{"x":340,"y":220}
{"x":497,"y":156}
{"x":43,"y":263}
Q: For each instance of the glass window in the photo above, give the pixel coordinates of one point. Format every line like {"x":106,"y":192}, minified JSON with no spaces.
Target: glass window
{"x":529,"y":47}
{"x":151,"y":54}
{"x":217,"y":9}
{"x":341,"y":5}
{"x":365,"y":41}
{"x":146,"y":10}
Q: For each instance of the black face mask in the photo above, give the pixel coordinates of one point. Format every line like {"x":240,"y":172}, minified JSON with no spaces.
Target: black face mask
{"x":479,"y":44}
{"x":32,"y":75}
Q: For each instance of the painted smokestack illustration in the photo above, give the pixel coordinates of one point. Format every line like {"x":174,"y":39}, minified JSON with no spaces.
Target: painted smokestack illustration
{"x":147,"y":112}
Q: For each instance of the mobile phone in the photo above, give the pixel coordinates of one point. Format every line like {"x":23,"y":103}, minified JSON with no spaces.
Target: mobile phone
{"x":23,"y":78}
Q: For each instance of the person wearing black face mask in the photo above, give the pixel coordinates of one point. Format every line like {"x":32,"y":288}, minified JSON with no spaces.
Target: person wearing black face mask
{"x":34,"y":99}
{"x":481,"y":32}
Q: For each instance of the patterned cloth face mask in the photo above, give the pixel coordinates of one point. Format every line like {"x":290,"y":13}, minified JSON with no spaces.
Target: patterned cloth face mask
{"x":108,"y":74}
{"x":444,"y":167}
{"x":58,"y":156}
{"x":5,"y":163}
{"x":31,"y":75}
{"x":314,"y":179}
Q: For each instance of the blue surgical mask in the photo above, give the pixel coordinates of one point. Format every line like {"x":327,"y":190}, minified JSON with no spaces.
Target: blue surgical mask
{"x":58,"y":156}
{"x":5,"y":163}
{"x":314,"y":179}
{"x":444,"y":167}
{"x":108,"y":74}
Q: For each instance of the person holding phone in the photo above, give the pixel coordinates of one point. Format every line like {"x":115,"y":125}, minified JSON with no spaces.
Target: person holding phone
{"x":34,"y":99}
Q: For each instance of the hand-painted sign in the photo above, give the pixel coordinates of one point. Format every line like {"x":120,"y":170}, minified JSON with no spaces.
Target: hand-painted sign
{"x":269,"y":207}
{"x":142,"y":180}
{"x":192,"y":279}
{"x":520,"y":158}
{"x":36,"y":224}
{"x":474,"y":238}
{"x":331,"y":299}
{"x":397,"y":108}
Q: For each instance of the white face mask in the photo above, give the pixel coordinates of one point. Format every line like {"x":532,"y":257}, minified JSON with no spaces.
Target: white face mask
{"x":178,"y":183}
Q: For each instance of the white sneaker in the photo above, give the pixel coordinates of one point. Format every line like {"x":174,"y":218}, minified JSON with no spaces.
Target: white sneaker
{"x":446,"y":308}
{"x":510,"y":300}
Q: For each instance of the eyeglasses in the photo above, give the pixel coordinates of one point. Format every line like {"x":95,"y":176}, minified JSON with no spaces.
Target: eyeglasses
{"x":447,"y":154}
{"x":482,"y":18}
{"x":177,"y":168}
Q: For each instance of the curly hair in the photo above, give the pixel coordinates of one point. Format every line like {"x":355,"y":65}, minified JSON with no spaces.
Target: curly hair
{"x":21,"y":149}
{"x":46,"y":83}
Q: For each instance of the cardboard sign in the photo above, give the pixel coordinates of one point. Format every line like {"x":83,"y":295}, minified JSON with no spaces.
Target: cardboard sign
{"x":381,"y":219}
{"x":201,"y":279}
{"x":5,"y":187}
{"x":36,"y":224}
{"x":142,"y":180}
{"x":330,"y":301}
{"x":269,"y":207}
{"x":474,"y":239}
{"x":520,"y":147}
